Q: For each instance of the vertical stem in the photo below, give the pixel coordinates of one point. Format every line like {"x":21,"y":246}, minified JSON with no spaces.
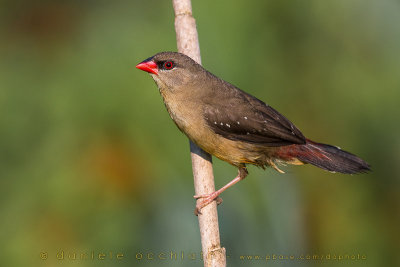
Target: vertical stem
{"x":188,"y":43}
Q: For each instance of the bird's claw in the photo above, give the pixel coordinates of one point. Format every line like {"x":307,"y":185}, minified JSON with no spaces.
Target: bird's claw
{"x":208,"y":198}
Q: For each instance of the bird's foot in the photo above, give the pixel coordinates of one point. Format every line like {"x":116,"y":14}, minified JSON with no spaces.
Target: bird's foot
{"x":207,"y":199}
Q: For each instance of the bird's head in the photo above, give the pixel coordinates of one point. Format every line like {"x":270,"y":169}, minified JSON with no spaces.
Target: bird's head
{"x":171,"y":70}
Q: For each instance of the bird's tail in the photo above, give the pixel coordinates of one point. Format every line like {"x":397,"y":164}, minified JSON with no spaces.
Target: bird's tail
{"x":324,"y":156}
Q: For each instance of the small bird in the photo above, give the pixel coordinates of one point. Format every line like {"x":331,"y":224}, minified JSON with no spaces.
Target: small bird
{"x":235,"y":126}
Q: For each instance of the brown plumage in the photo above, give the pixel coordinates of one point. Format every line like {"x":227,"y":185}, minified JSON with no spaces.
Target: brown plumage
{"x":235,"y":126}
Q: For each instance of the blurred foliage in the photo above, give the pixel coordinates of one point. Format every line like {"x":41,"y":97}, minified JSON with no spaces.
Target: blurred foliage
{"x":90,"y":161}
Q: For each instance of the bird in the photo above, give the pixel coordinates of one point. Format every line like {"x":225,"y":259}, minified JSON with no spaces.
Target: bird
{"x":235,"y":126}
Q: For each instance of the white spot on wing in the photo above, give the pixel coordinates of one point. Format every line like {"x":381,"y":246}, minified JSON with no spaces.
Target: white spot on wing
{"x":245,"y":118}
{"x":215,"y":122}
{"x":228,"y":125}
{"x":222,"y":123}
{"x":238,"y":122}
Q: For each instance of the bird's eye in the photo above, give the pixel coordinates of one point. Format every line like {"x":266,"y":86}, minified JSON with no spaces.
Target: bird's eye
{"x":168,"y":65}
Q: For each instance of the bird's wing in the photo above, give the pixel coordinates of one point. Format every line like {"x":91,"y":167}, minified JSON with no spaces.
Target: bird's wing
{"x":243,"y":117}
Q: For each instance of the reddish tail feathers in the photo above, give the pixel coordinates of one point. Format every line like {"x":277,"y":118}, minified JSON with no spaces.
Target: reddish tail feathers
{"x":327,"y":157}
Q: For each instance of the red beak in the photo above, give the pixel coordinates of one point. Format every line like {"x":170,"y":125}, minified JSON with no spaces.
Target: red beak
{"x":148,"y":65}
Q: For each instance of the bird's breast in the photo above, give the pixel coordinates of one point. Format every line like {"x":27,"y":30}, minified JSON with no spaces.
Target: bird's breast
{"x":181,"y":110}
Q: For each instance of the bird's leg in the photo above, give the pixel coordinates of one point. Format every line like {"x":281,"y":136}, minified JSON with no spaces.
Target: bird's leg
{"x":208,"y":198}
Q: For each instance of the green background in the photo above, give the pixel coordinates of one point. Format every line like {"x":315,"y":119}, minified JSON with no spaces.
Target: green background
{"x":91,"y":162}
